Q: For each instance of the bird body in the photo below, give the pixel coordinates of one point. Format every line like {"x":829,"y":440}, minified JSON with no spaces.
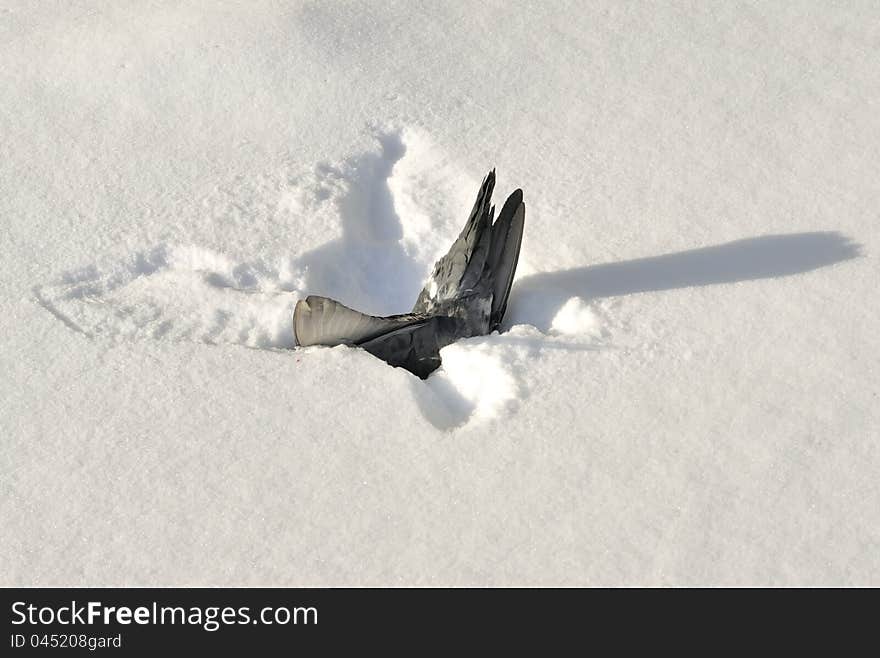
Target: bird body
{"x":466,"y":295}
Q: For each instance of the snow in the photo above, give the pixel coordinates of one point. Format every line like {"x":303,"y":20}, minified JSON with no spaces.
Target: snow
{"x":686,"y":387}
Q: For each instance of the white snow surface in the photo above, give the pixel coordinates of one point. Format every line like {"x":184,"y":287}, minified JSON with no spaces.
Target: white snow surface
{"x":685,"y":390}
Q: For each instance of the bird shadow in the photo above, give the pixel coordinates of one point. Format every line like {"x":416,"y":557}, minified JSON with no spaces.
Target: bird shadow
{"x":537,"y":298}
{"x":366,"y":267}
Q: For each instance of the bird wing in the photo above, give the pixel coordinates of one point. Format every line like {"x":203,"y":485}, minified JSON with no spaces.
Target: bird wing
{"x":461,"y":267}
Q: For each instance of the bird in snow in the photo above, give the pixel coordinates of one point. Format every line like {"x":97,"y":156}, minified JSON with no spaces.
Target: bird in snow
{"x":466,"y":295}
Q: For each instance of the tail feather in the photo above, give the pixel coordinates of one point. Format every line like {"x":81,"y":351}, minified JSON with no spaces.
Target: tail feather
{"x":323,"y":321}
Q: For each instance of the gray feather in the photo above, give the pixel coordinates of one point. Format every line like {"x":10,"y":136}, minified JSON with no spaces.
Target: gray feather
{"x":324,"y":321}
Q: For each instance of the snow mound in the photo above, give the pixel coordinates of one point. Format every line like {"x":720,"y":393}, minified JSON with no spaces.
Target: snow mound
{"x":576,"y":318}
{"x":476,"y":383}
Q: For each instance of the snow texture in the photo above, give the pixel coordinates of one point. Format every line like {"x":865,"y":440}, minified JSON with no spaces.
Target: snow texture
{"x":685,"y":390}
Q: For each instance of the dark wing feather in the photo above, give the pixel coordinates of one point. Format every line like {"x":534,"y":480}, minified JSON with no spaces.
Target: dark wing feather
{"x":504,"y":254}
